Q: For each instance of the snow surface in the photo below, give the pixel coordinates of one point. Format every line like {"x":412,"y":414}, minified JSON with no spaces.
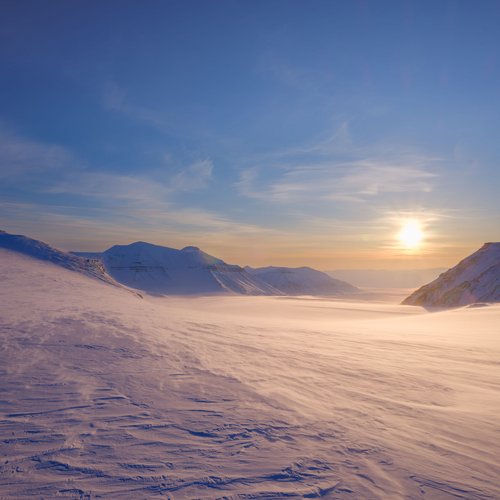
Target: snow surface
{"x":105,"y":394}
{"x":301,"y":281}
{"x":474,"y":279}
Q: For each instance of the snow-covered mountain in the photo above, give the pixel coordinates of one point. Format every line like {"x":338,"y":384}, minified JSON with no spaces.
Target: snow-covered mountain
{"x":41,"y":251}
{"x":160,"y":270}
{"x":301,"y":281}
{"x":474,"y":279}
{"x":167,"y":271}
{"x":190,"y":271}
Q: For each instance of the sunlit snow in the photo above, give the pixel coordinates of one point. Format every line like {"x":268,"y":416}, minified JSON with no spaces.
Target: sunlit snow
{"x":105,"y":393}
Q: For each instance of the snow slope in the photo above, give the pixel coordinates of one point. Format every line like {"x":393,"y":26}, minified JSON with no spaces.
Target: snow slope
{"x":474,"y":279}
{"x":107,"y":395}
{"x":164,"y":271}
{"x":39,"y":250}
{"x":301,"y":281}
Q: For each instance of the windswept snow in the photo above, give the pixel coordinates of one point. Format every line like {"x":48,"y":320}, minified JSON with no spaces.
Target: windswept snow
{"x":474,"y":279}
{"x":301,"y":281}
{"x":104,"y":394}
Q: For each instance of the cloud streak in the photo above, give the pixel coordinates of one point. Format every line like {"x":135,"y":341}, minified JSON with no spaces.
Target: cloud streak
{"x":354,"y":181}
{"x":22,"y":159}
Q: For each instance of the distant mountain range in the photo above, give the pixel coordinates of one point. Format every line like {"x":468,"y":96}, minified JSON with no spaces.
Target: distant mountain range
{"x":161,"y":270}
{"x":165,"y":271}
{"x":387,"y":278}
{"x":301,"y":281}
{"x":475,"y":279}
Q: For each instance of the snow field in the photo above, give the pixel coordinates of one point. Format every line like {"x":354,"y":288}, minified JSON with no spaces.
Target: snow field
{"x":104,"y":393}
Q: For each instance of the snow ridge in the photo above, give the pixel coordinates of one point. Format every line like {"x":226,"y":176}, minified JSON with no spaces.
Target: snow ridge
{"x":41,"y":251}
{"x":474,"y":279}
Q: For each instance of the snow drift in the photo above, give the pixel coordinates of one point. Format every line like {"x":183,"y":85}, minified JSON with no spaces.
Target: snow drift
{"x":474,"y":279}
{"x":301,"y":281}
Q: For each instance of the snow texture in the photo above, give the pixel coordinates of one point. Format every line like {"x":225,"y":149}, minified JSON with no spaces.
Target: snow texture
{"x":105,"y":395}
{"x":475,"y":279}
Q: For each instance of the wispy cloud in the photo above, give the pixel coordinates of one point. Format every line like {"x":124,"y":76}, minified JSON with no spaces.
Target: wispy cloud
{"x":71,"y":227}
{"x":353,"y":181}
{"x":54,"y":170}
{"x":71,"y":194}
{"x":310,"y":82}
{"x":114,"y":98}
{"x":22,"y":158}
{"x":193,"y":177}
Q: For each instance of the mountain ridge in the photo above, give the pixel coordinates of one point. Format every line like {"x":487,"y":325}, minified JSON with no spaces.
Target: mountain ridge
{"x":164,"y":271}
{"x":160,"y":270}
{"x":473,"y":280}
{"x":302,"y":280}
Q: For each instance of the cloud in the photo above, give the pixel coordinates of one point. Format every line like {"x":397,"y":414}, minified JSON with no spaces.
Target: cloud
{"x":49,"y":169}
{"x":22,"y":158}
{"x":351,"y":181}
{"x":94,"y":228}
{"x":114,"y":98}
{"x":193,"y":177}
{"x":310,"y":82}
{"x":110,"y":187}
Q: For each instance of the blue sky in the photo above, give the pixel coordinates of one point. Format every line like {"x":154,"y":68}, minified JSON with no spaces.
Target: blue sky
{"x":285,"y":132}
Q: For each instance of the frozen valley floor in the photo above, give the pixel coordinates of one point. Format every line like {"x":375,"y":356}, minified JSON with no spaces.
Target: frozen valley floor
{"x":104,"y":394}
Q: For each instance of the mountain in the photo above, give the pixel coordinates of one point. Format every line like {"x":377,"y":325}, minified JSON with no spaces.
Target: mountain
{"x":165,"y":271}
{"x":474,"y":279}
{"x":41,"y":251}
{"x":301,"y":281}
{"x":161,"y":270}
{"x":387,"y":278}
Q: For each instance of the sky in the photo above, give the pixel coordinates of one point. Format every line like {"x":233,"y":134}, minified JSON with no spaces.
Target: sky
{"x":263,"y":131}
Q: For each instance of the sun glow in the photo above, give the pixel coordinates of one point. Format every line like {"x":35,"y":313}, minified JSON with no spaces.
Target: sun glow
{"x":411,"y":235}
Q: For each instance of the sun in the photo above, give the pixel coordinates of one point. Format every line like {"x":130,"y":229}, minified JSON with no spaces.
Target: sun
{"x":411,"y":235}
